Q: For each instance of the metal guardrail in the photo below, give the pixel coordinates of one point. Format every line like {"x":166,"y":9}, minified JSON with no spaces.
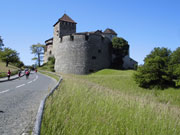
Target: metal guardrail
{"x":37,"y":127}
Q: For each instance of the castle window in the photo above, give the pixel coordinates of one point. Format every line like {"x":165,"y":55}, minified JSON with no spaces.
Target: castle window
{"x":93,"y":57}
{"x":86,"y":37}
{"x":50,"y":52}
{"x":71,"y":37}
{"x":61,"y":39}
{"x":99,"y":51}
{"x":91,"y":70}
{"x":102,"y":38}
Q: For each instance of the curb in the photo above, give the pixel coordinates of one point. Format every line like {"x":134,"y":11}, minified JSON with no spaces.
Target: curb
{"x":5,"y":80}
{"x":37,"y":127}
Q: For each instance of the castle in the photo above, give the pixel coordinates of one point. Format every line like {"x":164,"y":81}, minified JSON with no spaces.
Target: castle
{"x":81,"y":53}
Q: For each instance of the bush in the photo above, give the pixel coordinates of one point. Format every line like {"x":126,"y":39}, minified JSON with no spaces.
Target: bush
{"x":175,"y":64}
{"x":155,"y":72}
{"x":49,"y":66}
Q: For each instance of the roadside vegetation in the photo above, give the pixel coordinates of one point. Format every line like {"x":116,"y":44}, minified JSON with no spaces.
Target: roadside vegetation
{"x":38,"y":51}
{"x":109,"y":102}
{"x":9,"y":60}
{"x":50,"y":74}
{"x":49,"y":66}
{"x":4,"y":69}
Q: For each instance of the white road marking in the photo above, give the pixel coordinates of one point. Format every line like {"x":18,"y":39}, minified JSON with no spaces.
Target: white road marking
{"x":30,"y":82}
{"x":4,"y":91}
{"x":35,"y":78}
{"x":20,"y":86}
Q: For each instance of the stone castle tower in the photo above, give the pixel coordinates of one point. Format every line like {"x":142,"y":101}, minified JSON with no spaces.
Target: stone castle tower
{"x":64,"y":26}
{"x":79,"y":53}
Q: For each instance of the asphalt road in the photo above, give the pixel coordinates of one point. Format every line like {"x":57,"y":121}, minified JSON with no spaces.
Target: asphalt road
{"x":19,"y":102}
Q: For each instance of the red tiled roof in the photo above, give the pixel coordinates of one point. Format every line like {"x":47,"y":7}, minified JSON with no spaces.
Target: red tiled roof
{"x":65,"y":18}
{"x":110,"y":31}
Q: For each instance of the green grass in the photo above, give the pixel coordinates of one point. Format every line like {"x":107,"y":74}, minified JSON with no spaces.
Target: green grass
{"x":110,"y":103}
{"x":4,"y":69}
{"x":47,"y":67}
{"x":50,"y":74}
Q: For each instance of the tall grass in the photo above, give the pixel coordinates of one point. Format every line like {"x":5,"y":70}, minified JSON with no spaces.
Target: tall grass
{"x":86,"y":105}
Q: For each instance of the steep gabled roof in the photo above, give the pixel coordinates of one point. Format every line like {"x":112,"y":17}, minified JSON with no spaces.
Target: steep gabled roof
{"x":65,"y":18}
{"x":49,"y":39}
{"x":110,"y":31}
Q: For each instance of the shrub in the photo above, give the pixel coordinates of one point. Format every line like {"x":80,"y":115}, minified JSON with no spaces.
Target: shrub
{"x":155,"y":72}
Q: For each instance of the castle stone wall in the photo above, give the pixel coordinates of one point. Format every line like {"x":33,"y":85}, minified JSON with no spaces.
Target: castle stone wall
{"x":56,"y":38}
{"x":82,"y":54}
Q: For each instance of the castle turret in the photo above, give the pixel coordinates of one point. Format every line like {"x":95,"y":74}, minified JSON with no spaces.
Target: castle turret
{"x":48,"y":52}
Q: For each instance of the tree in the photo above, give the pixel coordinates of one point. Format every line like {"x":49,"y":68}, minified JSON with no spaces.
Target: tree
{"x":175,"y":64}
{"x":155,"y":72}
{"x":19,"y":64}
{"x":120,"y":49}
{"x":9,"y":55}
{"x":38,"y":50}
{"x":1,"y":44}
{"x":120,"y":46}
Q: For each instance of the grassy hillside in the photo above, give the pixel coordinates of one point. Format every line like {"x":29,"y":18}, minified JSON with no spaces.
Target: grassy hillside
{"x":4,"y":69}
{"x":110,"y":103}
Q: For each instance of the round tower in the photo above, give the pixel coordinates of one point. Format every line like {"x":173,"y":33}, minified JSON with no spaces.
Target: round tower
{"x":83,"y":53}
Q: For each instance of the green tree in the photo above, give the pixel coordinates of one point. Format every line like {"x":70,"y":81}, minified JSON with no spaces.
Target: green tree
{"x":120,"y":46}
{"x":8,"y":55}
{"x":155,"y":72}
{"x":175,"y":64}
{"x":19,"y":64}
{"x":1,"y":44}
{"x":120,"y":49}
{"x":38,"y":50}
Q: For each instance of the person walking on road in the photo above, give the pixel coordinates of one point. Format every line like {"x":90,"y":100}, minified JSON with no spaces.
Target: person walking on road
{"x":9,"y":74}
{"x":27,"y":74}
{"x":19,"y":73}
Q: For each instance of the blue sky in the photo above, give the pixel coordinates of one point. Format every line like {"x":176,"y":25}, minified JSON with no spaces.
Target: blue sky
{"x":145,"y":24}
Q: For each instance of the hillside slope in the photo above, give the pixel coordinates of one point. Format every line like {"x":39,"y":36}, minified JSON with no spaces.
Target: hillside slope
{"x":109,"y":103}
{"x":4,"y":69}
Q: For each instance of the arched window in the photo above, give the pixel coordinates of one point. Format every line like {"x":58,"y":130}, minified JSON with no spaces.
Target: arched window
{"x":50,"y":52}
